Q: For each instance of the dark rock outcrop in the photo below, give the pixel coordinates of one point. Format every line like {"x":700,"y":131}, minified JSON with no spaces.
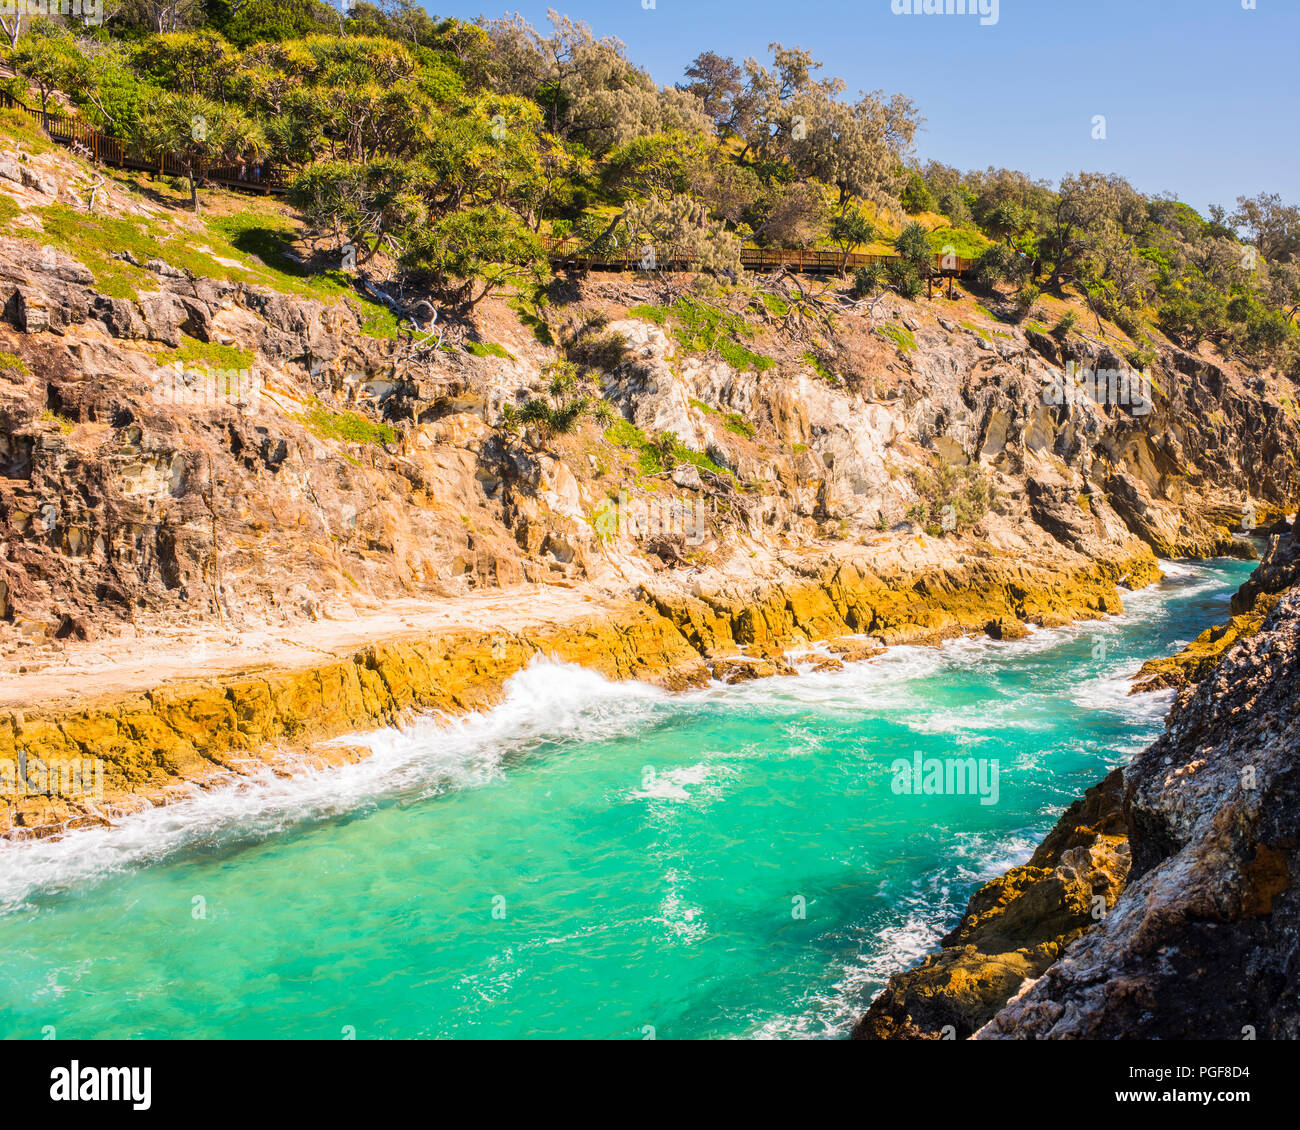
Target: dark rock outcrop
{"x":1204,"y":943}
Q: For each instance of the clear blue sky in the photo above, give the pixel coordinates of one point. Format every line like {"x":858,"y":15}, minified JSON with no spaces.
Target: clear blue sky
{"x":1201,"y":97}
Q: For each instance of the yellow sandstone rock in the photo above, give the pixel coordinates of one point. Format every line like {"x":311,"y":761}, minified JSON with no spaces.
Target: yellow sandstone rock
{"x":189,"y":731}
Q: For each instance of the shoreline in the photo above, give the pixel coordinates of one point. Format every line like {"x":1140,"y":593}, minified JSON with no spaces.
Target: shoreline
{"x":1017,"y":927}
{"x":158,"y":740}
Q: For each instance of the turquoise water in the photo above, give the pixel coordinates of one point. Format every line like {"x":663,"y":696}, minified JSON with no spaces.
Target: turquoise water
{"x":590,"y":859}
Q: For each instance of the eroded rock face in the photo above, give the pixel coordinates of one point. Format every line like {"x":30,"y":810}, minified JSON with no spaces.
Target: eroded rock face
{"x":152,"y":746}
{"x":354,"y":472}
{"x":1204,"y":943}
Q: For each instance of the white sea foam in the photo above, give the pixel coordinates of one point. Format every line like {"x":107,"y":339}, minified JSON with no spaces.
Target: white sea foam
{"x":550,"y":701}
{"x":675,"y":784}
{"x":870,"y":957}
{"x":546,"y":701}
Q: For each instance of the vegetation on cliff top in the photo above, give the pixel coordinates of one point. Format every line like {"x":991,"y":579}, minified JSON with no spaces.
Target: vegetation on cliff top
{"x":452,"y":151}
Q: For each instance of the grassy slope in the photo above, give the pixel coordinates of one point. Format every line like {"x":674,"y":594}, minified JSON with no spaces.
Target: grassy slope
{"x":239,"y":237}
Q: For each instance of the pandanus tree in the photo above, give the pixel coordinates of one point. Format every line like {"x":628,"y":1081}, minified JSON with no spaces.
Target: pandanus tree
{"x":197,"y":134}
{"x":364,"y":207}
{"x":50,"y":62}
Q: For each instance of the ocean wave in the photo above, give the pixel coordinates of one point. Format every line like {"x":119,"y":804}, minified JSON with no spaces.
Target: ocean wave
{"x":547,"y":701}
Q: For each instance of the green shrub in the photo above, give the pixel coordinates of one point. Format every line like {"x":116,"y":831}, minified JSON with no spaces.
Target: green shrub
{"x":1129,"y":320}
{"x":952,"y":499}
{"x":569,"y":399}
{"x":868,"y":279}
{"x":1026,"y":298}
{"x":604,"y":351}
{"x":1065,"y":326}
{"x":903,"y":277}
{"x":12,"y":364}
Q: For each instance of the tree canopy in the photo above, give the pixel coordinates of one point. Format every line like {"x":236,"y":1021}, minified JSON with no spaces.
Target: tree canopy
{"x":451,"y":151}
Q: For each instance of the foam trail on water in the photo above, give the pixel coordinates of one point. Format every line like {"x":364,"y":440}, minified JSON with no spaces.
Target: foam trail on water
{"x":547,"y":701}
{"x":859,"y":688}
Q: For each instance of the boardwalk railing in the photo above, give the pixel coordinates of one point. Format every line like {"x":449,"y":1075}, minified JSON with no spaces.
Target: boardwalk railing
{"x":98,"y":146}
{"x":568,"y":252}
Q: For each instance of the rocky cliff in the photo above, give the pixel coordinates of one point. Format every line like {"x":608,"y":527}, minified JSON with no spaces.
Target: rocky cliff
{"x":208,"y":439}
{"x":1204,"y":943}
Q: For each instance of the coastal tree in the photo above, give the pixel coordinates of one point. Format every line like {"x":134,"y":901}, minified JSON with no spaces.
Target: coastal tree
{"x":1273,"y":226}
{"x":850,"y":229}
{"x":362,"y":206}
{"x":718,"y":83}
{"x":469,"y":254}
{"x":197,"y":133}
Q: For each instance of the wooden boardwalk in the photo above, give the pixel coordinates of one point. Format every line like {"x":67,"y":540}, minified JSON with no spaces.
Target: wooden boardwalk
{"x":101,"y":147}
{"x":763,"y":260}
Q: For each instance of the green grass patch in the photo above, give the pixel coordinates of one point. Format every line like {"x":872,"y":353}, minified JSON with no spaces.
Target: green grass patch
{"x":623,"y":433}
{"x":679,"y":454}
{"x":818,"y":366}
{"x":377,"y":320}
{"x":349,"y":427}
{"x":488,"y":349}
{"x":648,"y":313}
{"x":707,"y":409}
{"x":255,"y":243}
{"x":92,"y":240}
{"x":263,"y":241}
{"x":207,"y":353}
{"x":702,"y":328}
{"x":9,"y":210}
{"x":901,"y":336}
{"x":14,"y":123}
{"x":12,"y":363}
{"x":739,"y":357}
